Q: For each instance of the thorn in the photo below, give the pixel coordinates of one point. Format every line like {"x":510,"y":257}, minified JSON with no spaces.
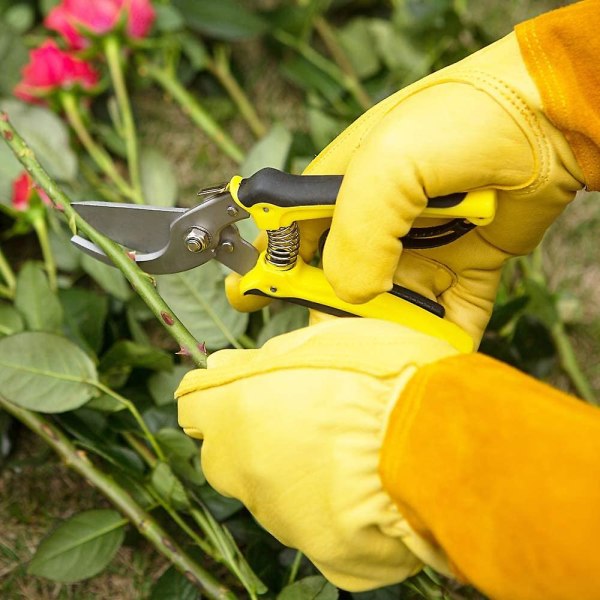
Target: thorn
{"x":183,"y":351}
{"x":202,"y":347}
{"x":8,"y":135}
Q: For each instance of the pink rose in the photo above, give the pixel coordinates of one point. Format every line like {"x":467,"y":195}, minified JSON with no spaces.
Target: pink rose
{"x":74,"y":18}
{"x":50,"y":69}
{"x":23,"y":192}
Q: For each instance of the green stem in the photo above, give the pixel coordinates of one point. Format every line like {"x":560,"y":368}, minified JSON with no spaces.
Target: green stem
{"x":194,"y":110}
{"x":220,"y":68}
{"x":7,"y":293}
{"x":112,"y":50}
{"x":141,"y":282}
{"x":96,"y":152}
{"x":295,"y":566}
{"x":142,"y":520}
{"x":8,"y":275}
{"x":140,"y":448}
{"x":130,"y":406}
{"x":41,"y":230}
{"x":341,"y":58}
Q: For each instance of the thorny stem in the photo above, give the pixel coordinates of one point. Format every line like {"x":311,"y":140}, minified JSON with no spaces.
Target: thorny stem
{"x":219,"y":67}
{"x":341,"y":58}
{"x":141,"y":282}
{"x":130,"y":406}
{"x":96,"y":152}
{"x":41,"y":230}
{"x":112,"y":51}
{"x":142,"y":520}
{"x":8,"y":275}
{"x":192,"y":107}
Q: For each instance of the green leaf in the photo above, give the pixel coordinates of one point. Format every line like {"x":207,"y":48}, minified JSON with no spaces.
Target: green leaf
{"x":309,"y":588}
{"x":541,"y":302}
{"x":85,"y":312}
{"x":172,"y":585}
{"x":288,"y":319}
{"x":38,"y":304}
{"x":20,"y":17}
{"x":47,"y":135}
{"x":110,"y":279}
{"x":198,"y":298}
{"x":45,"y":372}
{"x":66,"y":256}
{"x":225,"y":19}
{"x":176,"y":444}
{"x":79,"y":548}
{"x":159,"y":184}
{"x":13,"y":57}
{"x":168,"y":487}
{"x":105,"y":403}
{"x":324,"y":128}
{"x":270,"y":151}
{"x":128,"y":354}
{"x":10,"y":320}
{"x":162,"y":385}
{"x":195,"y":50}
{"x":357,"y":40}
{"x":168,"y":18}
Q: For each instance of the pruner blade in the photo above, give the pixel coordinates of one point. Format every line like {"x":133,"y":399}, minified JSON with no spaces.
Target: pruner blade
{"x":170,"y":240}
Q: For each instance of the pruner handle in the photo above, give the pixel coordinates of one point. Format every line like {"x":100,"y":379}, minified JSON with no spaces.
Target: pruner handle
{"x":276,"y":199}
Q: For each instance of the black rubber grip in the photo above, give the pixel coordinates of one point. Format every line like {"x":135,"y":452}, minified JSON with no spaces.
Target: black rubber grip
{"x":282,"y":189}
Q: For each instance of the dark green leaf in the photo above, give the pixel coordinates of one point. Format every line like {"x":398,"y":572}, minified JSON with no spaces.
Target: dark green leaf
{"x":305,"y":75}
{"x":172,"y":585}
{"x":198,"y":298}
{"x":309,"y":588}
{"x":85,"y":312}
{"x":162,"y":385}
{"x":535,"y":346}
{"x":128,"y":354}
{"x":225,"y":19}
{"x":176,"y":444}
{"x":79,"y":548}
{"x":168,"y":487}
{"x":37,"y":303}
{"x":45,"y":372}
{"x":504,"y":313}
{"x":159,"y":183}
{"x":105,"y":403}
{"x":10,"y":320}
{"x":288,"y":319}
{"x":541,"y":302}
{"x":110,"y":279}
{"x":220,"y":507}
{"x":159,"y":417}
{"x":121,"y":458}
{"x":195,"y":50}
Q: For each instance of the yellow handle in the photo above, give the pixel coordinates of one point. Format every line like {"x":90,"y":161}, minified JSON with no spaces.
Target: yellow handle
{"x":304,"y":284}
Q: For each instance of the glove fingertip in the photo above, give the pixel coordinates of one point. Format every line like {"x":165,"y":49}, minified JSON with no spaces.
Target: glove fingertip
{"x":238,"y":300}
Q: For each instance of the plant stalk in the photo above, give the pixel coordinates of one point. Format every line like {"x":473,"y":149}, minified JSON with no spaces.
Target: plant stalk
{"x":112,"y":50}
{"x":142,"y":283}
{"x":96,"y":152}
{"x":192,"y":107}
{"x":41,"y":230}
{"x":8,"y":275}
{"x":220,"y":68}
{"x":142,"y":520}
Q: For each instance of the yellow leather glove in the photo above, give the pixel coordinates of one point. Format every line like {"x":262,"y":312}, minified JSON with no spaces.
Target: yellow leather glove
{"x":294,"y":431}
{"x":476,"y":124}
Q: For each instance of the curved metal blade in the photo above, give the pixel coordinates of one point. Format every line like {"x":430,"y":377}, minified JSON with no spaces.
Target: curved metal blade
{"x":141,"y":228}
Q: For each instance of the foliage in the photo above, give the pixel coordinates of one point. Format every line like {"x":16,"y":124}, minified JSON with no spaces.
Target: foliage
{"x":81,"y":356}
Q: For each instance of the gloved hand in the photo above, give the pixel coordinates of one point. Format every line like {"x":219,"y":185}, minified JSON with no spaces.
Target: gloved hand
{"x":294,"y":431}
{"x":476,"y":124}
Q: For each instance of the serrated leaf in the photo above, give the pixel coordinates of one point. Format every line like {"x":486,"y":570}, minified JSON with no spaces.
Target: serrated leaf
{"x":162,"y":385}
{"x":309,"y":588}
{"x":172,"y":585}
{"x":110,"y":279}
{"x":79,"y":548}
{"x":45,"y":372}
{"x":36,"y":302}
{"x":168,"y":487}
{"x":225,"y":19}
{"x":159,"y":183}
{"x":47,"y":135}
{"x":10,"y":320}
{"x":198,"y":298}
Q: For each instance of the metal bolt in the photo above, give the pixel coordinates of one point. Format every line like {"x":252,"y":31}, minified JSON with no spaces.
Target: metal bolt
{"x":232,"y":211}
{"x":197,"y":239}
{"x":228,"y":246}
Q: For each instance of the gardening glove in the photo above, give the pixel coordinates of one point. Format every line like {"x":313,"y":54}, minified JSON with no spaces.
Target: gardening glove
{"x":476,"y":124}
{"x":294,"y":431}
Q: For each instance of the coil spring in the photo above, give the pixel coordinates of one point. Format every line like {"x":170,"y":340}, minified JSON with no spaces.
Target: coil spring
{"x":283,"y":245}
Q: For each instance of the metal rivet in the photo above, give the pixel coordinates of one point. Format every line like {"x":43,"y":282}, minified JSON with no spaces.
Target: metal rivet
{"x":197,"y":239}
{"x":273,"y":290}
{"x":232,"y":211}
{"x":228,"y":246}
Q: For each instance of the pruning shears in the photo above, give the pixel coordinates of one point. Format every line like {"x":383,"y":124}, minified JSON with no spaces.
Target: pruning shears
{"x":170,"y":240}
